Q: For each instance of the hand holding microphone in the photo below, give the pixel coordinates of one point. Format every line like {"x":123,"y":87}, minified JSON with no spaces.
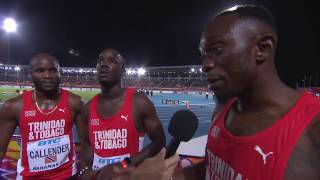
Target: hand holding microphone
{"x":182,"y":127}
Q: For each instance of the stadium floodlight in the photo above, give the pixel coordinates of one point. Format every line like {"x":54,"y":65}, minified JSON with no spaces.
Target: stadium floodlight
{"x":131,"y":71}
{"x":9,"y":25}
{"x":17,"y":68}
{"x":141,"y":71}
{"x":80,"y":70}
{"x":128,"y":71}
{"x":200,"y":69}
{"x":192,"y":70}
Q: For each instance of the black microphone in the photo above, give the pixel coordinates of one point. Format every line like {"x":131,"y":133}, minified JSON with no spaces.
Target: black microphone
{"x":182,"y":126}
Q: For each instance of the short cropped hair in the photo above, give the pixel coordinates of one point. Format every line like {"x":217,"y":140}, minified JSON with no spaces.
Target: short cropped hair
{"x":251,"y":11}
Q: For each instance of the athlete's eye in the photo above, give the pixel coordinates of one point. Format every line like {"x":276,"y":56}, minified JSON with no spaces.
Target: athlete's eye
{"x":112,"y":60}
{"x":39,"y":70}
{"x":215,"y":51}
{"x":53,"y":70}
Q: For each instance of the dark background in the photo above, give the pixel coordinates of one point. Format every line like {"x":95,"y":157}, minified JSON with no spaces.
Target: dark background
{"x":149,"y":33}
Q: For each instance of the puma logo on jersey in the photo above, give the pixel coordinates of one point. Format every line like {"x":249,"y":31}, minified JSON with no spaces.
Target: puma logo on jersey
{"x":264,"y":156}
{"x":62,"y":110}
{"x":30,"y":113}
{"x":124,"y":117}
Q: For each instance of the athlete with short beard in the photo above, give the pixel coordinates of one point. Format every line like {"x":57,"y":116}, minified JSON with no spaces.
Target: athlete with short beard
{"x":45,"y":117}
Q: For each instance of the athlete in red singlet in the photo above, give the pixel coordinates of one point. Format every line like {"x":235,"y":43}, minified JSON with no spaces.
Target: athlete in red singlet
{"x":268,"y":131}
{"x":45,"y":117}
{"x":268,"y":151}
{"x":117,"y":119}
{"x":116,"y":137}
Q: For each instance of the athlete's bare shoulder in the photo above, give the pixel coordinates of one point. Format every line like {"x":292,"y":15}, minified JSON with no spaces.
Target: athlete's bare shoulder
{"x":14,"y":103}
{"x":76,"y":102}
{"x":12,"y":108}
{"x":144,"y":110}
{"x":74,"y":96}
{"x":86,"y":110}
{"x":140,"y":97}
{"x":142,"y":104}
{"x":304,"y":162}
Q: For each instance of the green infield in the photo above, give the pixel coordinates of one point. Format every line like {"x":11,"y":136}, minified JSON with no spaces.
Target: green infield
{"x":10,"y":92}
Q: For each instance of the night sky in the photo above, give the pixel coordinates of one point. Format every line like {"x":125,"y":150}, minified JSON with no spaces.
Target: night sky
{"x":148,"y":33}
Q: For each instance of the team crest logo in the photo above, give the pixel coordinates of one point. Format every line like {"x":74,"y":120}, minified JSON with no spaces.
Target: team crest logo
{"x":95,"y":122}
{"x":30,"y":113}
{"x":215,"y":131}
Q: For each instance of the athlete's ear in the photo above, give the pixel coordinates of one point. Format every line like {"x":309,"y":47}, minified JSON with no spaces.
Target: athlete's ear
{"x":265,"y":47}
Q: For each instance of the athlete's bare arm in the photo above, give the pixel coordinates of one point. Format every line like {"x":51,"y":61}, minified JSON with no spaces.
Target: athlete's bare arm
{"x":147,"y":121}
{"x":304,"y":162}
{"x":86,"y":154}
{"x":76,"y":105}
{"x":9,"y":118}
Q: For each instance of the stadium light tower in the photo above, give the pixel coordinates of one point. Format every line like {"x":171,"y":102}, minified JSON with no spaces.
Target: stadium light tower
{"x":129,"y":71}
{"x":17,"y":68}
{"x":9,"y":25}
{"x":141,"y":71}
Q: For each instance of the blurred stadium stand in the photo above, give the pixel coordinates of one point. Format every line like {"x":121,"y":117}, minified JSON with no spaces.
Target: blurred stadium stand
{"x":161,"y":78}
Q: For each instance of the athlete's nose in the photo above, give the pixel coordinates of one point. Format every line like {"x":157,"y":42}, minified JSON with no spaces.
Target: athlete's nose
{"x":207,"y":64}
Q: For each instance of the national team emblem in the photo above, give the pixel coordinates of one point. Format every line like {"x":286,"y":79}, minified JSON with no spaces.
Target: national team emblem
{"x":215,"y":131}
{"x":124,"y":117}
{"x":50,"y":159}
{"x":95,"y":122}
{"x":30,"y":113}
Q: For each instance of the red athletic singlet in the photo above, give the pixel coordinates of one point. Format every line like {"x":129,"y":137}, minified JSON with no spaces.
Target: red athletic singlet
{"x":115,"y":137}
{"x":262,"y":156}
{"x":47,"y":148}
